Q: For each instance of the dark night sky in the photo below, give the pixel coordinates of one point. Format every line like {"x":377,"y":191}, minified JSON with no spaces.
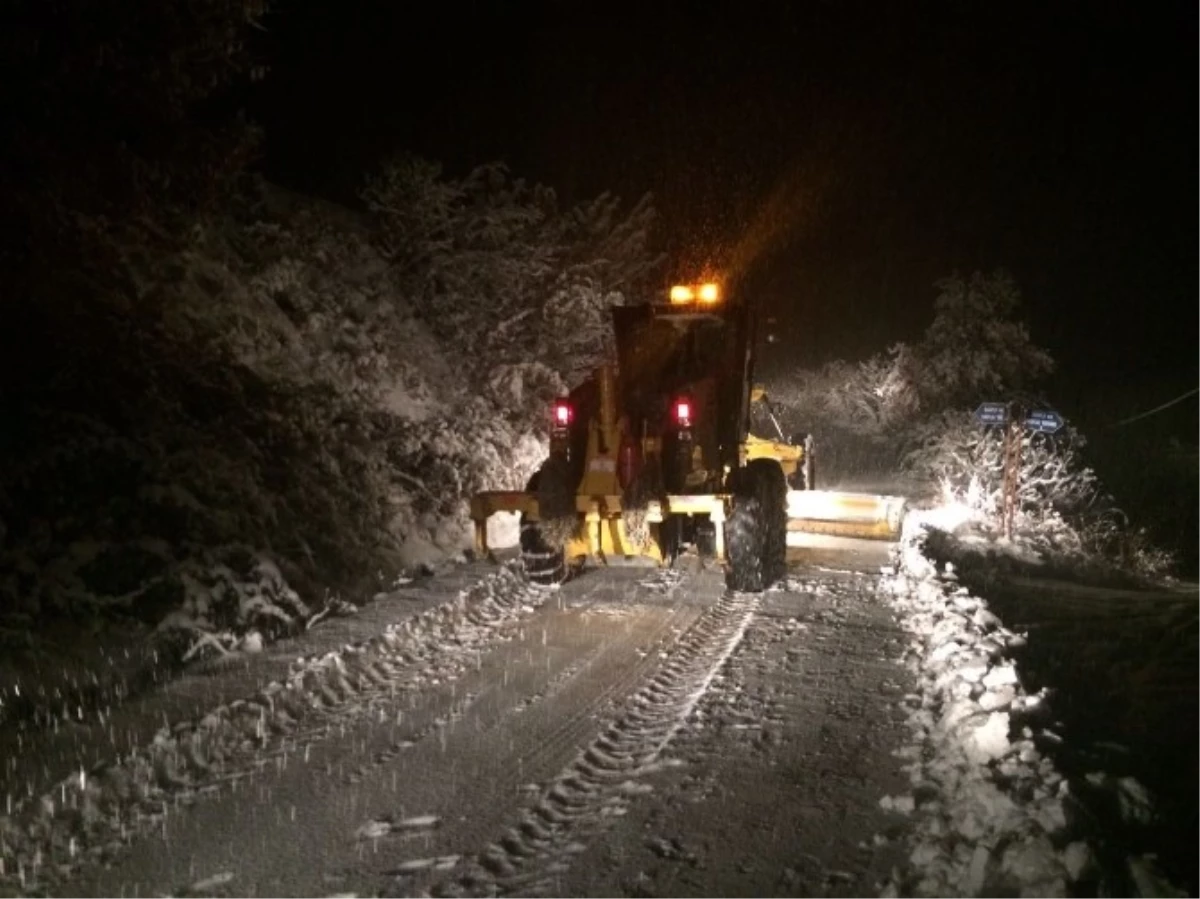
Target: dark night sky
{"x":846,"y":154}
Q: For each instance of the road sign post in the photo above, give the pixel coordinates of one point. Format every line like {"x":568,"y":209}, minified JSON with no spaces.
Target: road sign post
{"x":999,"y":415}
{"x":1014,"y":438}
{"x":1019,"y":423}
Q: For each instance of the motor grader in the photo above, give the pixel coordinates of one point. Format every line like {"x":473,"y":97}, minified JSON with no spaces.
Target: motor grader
{"x":654,"y":454}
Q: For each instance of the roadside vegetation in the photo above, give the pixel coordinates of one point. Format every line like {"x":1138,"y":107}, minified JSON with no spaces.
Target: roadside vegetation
{"x":911,"y":409}
{"x":227,"y":405}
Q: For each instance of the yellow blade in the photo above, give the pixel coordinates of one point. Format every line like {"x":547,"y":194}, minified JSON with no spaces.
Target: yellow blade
{"x":868,"y":515}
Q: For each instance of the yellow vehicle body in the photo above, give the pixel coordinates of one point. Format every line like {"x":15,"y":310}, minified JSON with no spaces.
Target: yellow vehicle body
{"x":603,"y":531}
{"x":590,"y":519}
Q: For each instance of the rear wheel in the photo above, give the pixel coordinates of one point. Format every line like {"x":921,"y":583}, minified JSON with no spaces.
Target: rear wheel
{"x":542,"y":540}
{"x":706,"y":538}
{"x":773,"y":503}
{"x":756,"y":530}
{"x":670,"y":537}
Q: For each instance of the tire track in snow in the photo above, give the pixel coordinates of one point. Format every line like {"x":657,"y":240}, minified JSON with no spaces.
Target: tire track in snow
{"x":329,"y":824}
{"x":603,"y":778}
{"x":93,"y":816}
{"x":783,"y":762}
{"x":530,"y":752}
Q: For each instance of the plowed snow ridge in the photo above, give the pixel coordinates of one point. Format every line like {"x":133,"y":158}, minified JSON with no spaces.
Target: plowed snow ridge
{"x":989,"y":810}
{"x":94,"y":815}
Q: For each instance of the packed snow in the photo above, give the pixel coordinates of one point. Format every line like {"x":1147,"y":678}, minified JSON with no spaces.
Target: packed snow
{"x":985,"y":810}
{"x":607,"y":775}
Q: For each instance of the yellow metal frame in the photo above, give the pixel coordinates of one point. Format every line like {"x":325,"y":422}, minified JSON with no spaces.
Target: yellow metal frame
{"x":487,"y":503}
{"x":602,"y":532}
{"x":789,"y":457}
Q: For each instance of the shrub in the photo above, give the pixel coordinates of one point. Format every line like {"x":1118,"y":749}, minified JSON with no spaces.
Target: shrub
{"x":275,"y":390}
{"x":1061,"y":507}
{"x":908,"y":409}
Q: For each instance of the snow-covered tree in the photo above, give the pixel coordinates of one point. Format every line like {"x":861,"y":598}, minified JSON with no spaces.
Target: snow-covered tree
{"x":976,"y":347}
{"x":501,"y":273}
{"x":297,"y":383}
{"x":871,"y":398}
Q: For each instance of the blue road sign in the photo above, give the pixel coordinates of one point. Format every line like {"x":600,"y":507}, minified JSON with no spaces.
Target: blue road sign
{"x":1045,"y":421}
{"x":992,"y":413}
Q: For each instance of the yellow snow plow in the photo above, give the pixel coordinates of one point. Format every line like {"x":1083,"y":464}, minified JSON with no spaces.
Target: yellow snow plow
{"x":866,"y":515}
{"x":653,"y":453}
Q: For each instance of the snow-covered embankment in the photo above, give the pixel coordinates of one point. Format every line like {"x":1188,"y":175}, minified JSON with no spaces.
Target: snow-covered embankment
{"x":988,"y":807}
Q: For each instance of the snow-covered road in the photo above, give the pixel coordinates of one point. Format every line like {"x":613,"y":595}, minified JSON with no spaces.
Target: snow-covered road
{"x":405,"y":773}
{"x":636,"y":732}
{"x":773,"y":787}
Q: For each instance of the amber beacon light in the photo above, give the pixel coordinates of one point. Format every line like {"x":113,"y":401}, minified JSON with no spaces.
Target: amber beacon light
{"x":708,"y":293}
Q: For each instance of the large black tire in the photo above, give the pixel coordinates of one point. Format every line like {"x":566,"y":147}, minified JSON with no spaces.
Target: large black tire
{"x":743,"y":545}
{"x":705,"y":536}
{"x":670,"y":534}
{"x":756,"y":530}
{"x":773,"y":504}
{"x":541,"y":546}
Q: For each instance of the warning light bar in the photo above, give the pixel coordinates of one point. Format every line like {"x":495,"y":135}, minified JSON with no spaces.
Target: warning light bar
{"x":706,"y":293}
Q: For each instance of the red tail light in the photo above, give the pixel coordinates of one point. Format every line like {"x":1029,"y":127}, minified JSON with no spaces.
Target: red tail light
{"x":683,"y":412}
{"x":563,"y":413}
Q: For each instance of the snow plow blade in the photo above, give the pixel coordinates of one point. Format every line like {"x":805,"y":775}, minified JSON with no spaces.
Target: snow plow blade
{"x":865,"y":515}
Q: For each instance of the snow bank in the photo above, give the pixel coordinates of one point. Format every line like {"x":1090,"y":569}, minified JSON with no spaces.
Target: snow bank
{"x":988,"y":807}
{"x":992,"y":815}
{"x":93,"y":814}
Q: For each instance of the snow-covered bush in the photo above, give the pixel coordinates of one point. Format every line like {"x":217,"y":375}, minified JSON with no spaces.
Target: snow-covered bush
{"x":231,"y":598}
{"x":1060,"y":508}
{"x":974,"y":349}
{"x":857,"y":412}
{"x":280,"y":385}
{"x":911,"y":408}
{"x":194,"y":361}
{"x":870,"y":398}
{"x":968,"y":461}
